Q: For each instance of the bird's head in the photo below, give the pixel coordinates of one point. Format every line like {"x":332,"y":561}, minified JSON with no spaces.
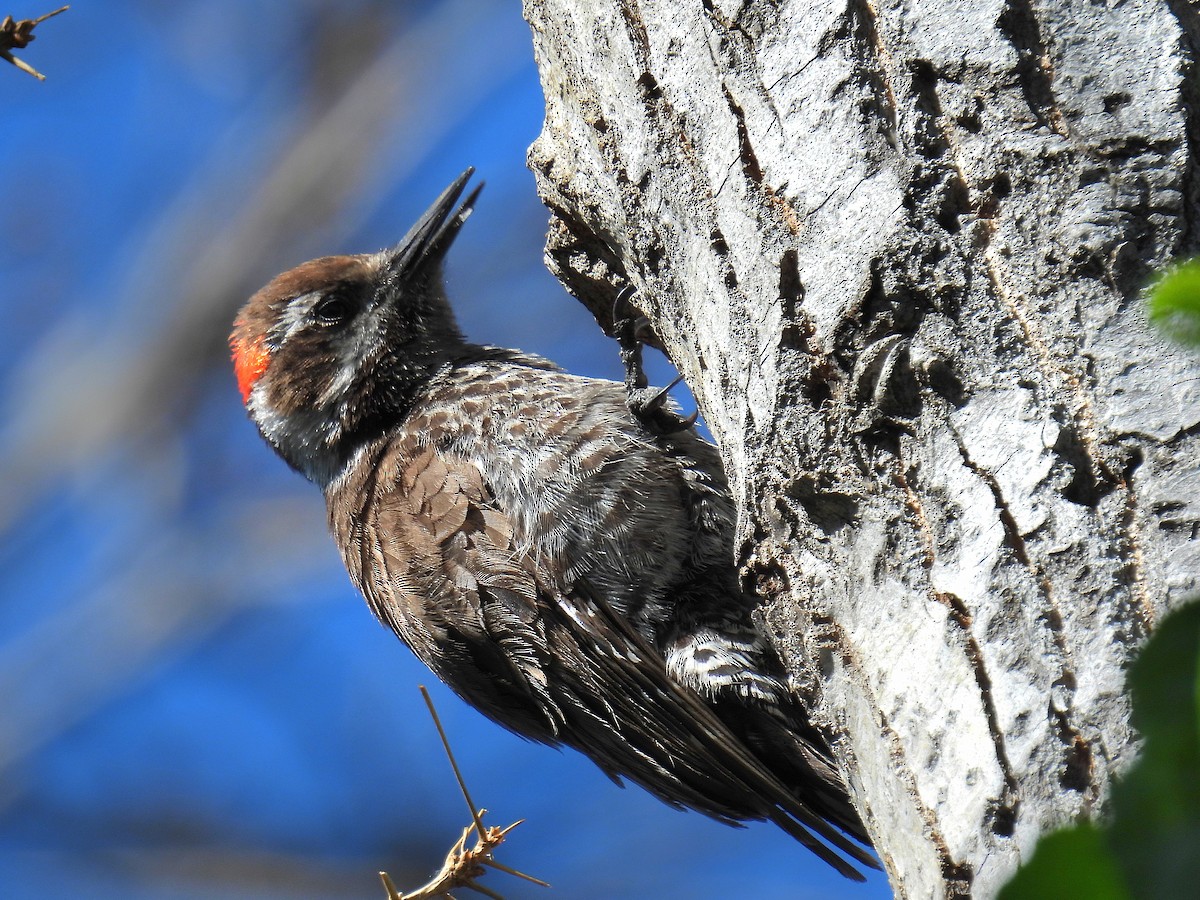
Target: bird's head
{"x":334,"y":351}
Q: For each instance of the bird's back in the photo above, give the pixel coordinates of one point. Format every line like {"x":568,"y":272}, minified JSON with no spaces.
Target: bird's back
{"x":571,"y":575}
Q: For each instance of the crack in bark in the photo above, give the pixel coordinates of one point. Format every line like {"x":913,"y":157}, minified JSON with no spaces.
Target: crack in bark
{"x":957,"y":876}
{"x":952,"y":871}
{"x":816,"y":209}
{"x":1084,"y":414}
{"x":1143,"y":610}
{"x":1181,"y":436}
{"x":1012,"y":533}
{"x":587,"y":241}
{"x":788,"y":76}
{"x":1077,"y":747}
{"x":1035,"y":69}
{"x":1004,"y":809}
{"x":791,"y":287}
{"x":751,"y":168}
{"x":1189,"y":20}
{"x":637,"y":33}
{"x":881,"y":78}
{"x":1085,"y":422}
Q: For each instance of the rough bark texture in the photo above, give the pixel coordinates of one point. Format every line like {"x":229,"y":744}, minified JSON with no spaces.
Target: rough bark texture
{"x":897,"y":248}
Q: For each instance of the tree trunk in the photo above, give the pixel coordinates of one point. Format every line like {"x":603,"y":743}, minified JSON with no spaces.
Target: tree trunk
{"x":897,"y":250}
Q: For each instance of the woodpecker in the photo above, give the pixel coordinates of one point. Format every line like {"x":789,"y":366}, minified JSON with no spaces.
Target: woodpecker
{"x":562,"y":564}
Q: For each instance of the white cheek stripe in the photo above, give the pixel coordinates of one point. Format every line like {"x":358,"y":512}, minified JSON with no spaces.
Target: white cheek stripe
{"x":360,"y":358}
{"x":294,"y":317}
{"x":340,"y":384}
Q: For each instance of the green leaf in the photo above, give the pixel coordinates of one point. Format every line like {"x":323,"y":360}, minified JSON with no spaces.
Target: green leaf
{"x":1164,"y":683}
{"x":1175,"y":303}
{"x":1074,"y":864}
{"x":1155,"y":831}
{"x":1151,"y":848}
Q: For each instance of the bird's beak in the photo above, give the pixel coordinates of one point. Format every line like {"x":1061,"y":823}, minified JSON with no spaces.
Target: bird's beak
{"x":427,"y":242}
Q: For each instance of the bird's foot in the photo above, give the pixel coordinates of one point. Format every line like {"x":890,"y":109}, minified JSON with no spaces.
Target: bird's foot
{"x":648,"y":404}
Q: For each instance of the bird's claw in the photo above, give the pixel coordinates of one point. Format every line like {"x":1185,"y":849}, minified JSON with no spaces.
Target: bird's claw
{"x":646,"y":403}
{"x":649,"y":405}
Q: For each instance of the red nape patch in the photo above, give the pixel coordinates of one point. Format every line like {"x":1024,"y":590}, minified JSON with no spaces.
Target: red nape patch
{"x":249,"y":362}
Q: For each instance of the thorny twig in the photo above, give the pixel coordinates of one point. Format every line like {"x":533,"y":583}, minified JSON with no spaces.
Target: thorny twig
{"x":462,"y":865}
{"x":16,"y":35}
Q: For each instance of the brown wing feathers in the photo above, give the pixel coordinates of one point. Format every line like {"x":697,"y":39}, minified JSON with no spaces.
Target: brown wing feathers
{"x":545,"y":658}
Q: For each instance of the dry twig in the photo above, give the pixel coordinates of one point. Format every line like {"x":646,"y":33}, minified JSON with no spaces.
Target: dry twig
{"x":16,"y":35}
{"x":462,"y":865}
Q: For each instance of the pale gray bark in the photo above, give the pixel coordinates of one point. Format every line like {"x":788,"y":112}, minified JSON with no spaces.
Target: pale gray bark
{"x":897,"y":250}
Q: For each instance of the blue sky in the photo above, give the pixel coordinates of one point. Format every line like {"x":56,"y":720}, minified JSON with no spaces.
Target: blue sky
{"x":194,"y":702}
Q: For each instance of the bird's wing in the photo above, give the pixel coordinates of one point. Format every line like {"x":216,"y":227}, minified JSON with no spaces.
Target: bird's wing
{"x":549,"y":660}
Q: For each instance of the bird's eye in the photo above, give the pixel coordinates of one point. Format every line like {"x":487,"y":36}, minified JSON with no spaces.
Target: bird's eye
{"x":333,"y":309}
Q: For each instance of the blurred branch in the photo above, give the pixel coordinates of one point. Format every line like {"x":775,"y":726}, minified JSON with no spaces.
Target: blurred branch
{"x":168,"y":598}
{"x":84,"y":395}
{"x":17,"y":35}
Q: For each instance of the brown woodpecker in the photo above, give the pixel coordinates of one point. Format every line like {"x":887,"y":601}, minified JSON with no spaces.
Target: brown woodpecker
{"x":562,"y":564}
